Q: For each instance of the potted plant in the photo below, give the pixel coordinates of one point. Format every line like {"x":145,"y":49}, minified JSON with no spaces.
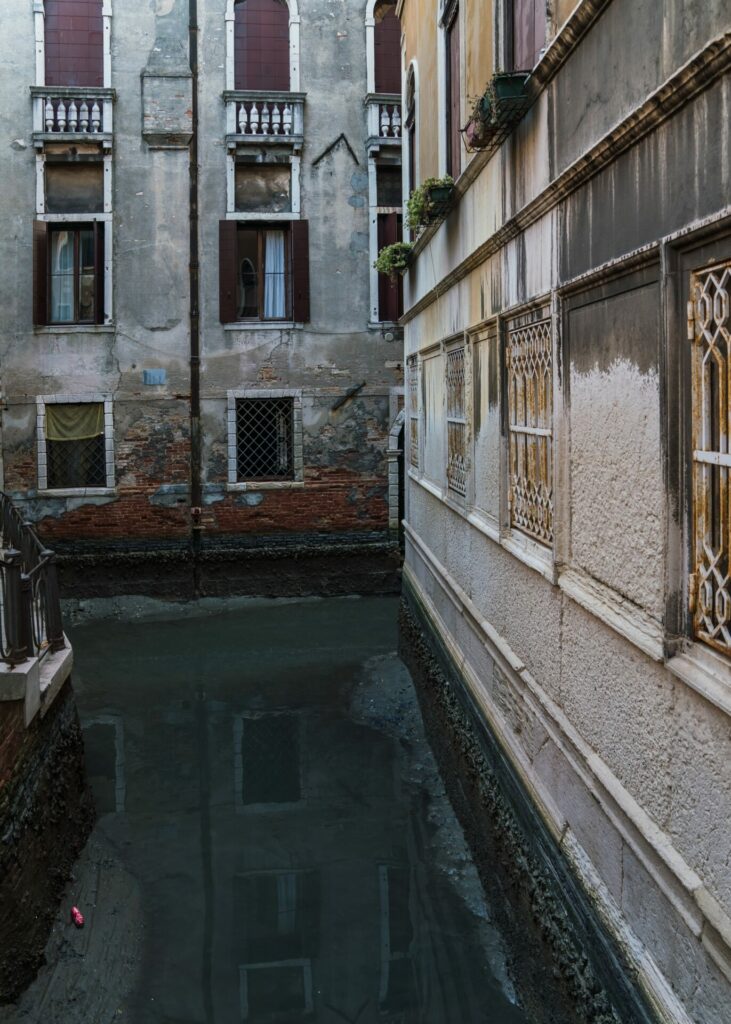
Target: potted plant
{"x":509,"y":90}
{"x":393,"y":259}
{"x":480,"y":130}
{"x":429,"y":201}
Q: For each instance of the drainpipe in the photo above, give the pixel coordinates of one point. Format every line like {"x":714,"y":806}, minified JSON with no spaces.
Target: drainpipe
{"x":196,"y":491}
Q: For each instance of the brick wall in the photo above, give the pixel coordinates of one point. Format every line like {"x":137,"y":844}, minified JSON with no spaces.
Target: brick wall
{"x":46,"y":814}
{"x":74,"y":42}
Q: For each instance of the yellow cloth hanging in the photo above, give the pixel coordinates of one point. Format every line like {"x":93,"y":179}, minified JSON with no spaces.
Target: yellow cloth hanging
{"x":76,"y":421}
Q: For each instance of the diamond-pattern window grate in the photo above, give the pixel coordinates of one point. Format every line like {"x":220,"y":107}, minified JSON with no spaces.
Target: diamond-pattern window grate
{"x":709,"y":325}
{"x":413,"y":384}
{"x":264,"y":438}
{"x":456,"y":422}
{"x":530,"y":414}
{"x":79,"y":463}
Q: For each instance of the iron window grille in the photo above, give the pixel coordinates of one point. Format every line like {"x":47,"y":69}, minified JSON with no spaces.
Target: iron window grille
{"x":709,"y":331}
{"x":456,"y":422}
{"x":265,"y":439}
{"x":77,"y":462}
{"x":530,"y":428}
{"x":413,"y":385}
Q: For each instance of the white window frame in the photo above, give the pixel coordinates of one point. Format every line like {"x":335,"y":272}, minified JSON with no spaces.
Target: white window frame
{"x":70,"y":399}
{"x":234,"y":484}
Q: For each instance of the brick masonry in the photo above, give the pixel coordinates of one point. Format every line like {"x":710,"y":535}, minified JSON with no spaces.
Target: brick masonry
{"x":46,"y":815}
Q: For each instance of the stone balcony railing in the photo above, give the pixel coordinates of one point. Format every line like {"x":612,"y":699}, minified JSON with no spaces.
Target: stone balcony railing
{"x":72,"y":113}
{"x":384,"y":119}
{"x":271,"y":117}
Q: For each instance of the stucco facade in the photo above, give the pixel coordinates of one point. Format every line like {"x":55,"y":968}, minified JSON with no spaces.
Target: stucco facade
{"x":578,"y":238}
{"x":171,"y":469}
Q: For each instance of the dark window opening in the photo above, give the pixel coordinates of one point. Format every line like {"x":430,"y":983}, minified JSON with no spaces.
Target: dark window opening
{"x":74,"y":43}
{"x":276,"y":916}
{"x":388,"y":185}
{"x":261,"y":46}
{"x":74,"y":187}
{"x":264,"y":451}
{"x":263,"y":188}
{"x":263,"y":283}
{"x":387,"y":49}
{"x":453,"y":98}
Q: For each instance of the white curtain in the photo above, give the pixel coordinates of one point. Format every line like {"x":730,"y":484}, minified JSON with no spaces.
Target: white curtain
{"x":62,"y":276}
{"x":274,"y":295}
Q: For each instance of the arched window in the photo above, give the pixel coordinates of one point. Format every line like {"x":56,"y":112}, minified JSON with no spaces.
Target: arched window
{"x":74,"y":43}
{"x":387,"y":48}
{"x":261,"y":46}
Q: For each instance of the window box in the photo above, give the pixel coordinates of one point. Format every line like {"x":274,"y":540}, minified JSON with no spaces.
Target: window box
{"x":497,"y":112}
{"x":439,"y":198}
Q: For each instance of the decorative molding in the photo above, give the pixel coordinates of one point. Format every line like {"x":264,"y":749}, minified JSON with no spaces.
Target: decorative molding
{"x":696,"y":75}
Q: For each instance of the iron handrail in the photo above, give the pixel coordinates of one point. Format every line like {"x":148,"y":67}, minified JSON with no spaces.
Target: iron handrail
{"x":31,"y":623}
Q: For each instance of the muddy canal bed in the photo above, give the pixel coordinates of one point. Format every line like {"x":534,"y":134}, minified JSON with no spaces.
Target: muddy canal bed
{"x":273,"y":841}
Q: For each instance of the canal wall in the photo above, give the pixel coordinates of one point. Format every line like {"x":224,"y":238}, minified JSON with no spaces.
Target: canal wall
{"x":46,"y":815}
{"x":552,"y":920}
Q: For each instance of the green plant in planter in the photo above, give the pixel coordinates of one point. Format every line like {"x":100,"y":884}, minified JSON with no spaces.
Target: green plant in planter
{"x":428,"y":200}
{"x":393,"y":259}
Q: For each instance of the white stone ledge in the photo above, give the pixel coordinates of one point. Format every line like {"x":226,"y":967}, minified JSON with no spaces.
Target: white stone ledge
{"x":265,"y":485}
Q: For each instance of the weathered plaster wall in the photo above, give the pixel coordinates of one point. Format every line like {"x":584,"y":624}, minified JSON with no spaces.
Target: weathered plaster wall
{"x":421,"y":32}
{"x":569,"y":656}
{"x":345,"y":482}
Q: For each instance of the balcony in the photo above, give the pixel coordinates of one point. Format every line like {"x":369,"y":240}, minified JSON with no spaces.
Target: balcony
{"x":72,"y":114}
{"x":273,"y":118}
{"x":384,"y":120}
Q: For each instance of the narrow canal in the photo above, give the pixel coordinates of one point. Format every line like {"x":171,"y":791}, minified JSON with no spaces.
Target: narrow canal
{"x":273,"y":842}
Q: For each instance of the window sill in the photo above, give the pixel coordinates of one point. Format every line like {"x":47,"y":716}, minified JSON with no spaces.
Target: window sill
{"x":75,"y":329}
{"x":706,"y":672}
{"x":77,"y":492}
{"x":264,"y":325}
{"x":264,"y":485}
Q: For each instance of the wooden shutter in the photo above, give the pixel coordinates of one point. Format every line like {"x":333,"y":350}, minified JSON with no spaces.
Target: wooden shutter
{"x":454,"y":99}
{"x":389,"y":292}
{"x":40,"y":272}
{"x":300,"y":271}
{"x":529,"y":32}
{"x":99,"y":276}
{"x":228,"y":261}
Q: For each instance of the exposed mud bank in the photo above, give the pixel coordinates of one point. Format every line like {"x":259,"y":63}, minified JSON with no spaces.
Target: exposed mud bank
{"x":46,"y":815}
{"x":278,"y":566}
{"x":556,"y":941}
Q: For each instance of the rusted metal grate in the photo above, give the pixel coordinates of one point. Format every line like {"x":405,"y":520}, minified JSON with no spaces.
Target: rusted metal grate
{"x":709,"y":328}
{"x":530,"y":424}
{"x":80,"y":463}
{"x":456,"y":422}
{"x":264,"y":430}
{"x":413,"y":384}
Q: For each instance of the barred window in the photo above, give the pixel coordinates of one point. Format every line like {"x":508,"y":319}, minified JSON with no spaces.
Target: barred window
{"x":709,"y":329}
{"x":412,"y":372}
{"x":75,"y":447}
{"x":456,"y":422}
{"x":264,"y":439}
{"x":530,"y":427}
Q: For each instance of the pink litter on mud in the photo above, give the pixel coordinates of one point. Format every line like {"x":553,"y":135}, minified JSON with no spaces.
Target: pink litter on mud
{"x":77,"y":917}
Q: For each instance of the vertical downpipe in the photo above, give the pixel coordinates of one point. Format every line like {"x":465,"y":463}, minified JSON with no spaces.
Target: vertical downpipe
{"x":196,"y":492}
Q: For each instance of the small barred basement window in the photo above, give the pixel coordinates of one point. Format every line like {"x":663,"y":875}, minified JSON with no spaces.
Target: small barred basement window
{"x":264,"y":439}
{"x":75,"y":445}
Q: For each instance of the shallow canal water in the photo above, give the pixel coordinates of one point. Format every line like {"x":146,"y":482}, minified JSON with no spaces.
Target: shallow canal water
{"x":273,"y":841}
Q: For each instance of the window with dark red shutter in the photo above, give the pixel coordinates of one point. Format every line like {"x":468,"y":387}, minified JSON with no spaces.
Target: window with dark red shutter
{"x":74,"y":42}
{"x":528,"y":33}
{"x":40,"y":272}
{"x":261,"y":45}
{"x":387,"y":48}
{"x":300,"y":271}
{"x":390,"y":292}
{"x":453,"y":98}
{"x":228,"y":261}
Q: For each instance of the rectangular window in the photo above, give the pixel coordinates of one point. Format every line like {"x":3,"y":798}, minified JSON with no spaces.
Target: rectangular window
{"x":276,"y":914}
{"x":74,"y":187}
{"x":270,"y":760}
{"x":265,"y":439}
{"x":433,"y":419}
{"x":412,"y":371}
{"x":709,"y":323}
{"x":453,"y":96}
{"x":530,"y":427}
{"x":528,"y":33}
{"x":68,"y":273}
{"x":75,"y":445}
{"x":264,"y":271}
{"x":456,"y":422}
{"x":263,"y":188}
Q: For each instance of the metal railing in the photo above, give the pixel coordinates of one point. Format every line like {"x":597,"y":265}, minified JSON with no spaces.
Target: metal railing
{"x":30,"y":603}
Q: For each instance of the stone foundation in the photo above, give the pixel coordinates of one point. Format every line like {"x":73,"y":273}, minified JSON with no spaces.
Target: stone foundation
{"x":46,"y":815}
{"x":540,"y":905}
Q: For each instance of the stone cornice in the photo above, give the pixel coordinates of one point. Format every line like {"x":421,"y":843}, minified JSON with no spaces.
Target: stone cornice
{"x":692,"y":78}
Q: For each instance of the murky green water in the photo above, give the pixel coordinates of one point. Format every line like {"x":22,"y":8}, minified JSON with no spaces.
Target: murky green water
{"x":273,"y":827}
